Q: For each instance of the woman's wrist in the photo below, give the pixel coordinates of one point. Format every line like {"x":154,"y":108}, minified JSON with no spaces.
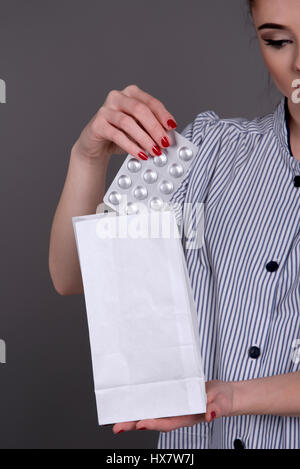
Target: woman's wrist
{"x":259,"y":396}
{"x":249,"y":397}
{"x":79,"y":154}
{"x":240,"y":396}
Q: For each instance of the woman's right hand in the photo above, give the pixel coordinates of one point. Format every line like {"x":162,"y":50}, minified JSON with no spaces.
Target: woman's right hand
{"x":130,"y":121}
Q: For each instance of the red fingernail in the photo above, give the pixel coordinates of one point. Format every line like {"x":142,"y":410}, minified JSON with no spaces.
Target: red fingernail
{"x":157,"y":150}
{"x":165,"y":142}
{"x":142,"y":428}
{"x":143,"y":155}
{"x":120,"y":431}
{"x":213,"y":415}
{"x":172,"y":124}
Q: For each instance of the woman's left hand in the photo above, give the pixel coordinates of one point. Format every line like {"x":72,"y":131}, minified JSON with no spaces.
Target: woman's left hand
{"x":220,"y":403}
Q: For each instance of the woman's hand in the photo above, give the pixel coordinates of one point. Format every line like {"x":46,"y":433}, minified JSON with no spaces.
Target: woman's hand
{"x":220,"y":403}
{"x":130,"y":121}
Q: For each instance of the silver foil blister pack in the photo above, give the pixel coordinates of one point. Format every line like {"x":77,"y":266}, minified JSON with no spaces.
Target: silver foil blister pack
{"x":153,"y":182}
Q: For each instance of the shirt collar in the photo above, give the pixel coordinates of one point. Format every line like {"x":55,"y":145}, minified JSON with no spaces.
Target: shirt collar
{"x":282,"y":131}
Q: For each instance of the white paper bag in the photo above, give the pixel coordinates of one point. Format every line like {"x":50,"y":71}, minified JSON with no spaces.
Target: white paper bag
{"x":142,"y":318}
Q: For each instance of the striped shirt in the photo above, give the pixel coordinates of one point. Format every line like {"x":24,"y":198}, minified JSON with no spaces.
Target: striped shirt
{"x":245,"y":277}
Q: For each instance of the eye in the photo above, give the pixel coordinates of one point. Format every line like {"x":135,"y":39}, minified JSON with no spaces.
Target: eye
{"x":277,"y":44}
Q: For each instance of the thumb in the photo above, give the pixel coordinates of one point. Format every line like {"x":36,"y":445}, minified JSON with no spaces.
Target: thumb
{"x":212,"y":412}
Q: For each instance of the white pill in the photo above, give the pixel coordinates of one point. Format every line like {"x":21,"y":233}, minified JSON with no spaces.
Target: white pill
{"x":185,"y":154}
{"x":150,"y":176}
{"x":124,"y":182}
{"x":134,"y":165}
{"x":160,"y":161}
{"x":156,"y":203}
{"x":131,"y":208}
{"x":176,"y":170}
{"x":115,"y":198}
{"x":140,"y":193}
{"x":166,"y":187}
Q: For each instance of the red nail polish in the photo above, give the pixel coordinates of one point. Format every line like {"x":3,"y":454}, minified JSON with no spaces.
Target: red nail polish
{"x":120,"y":431}
{"x":213,"y":415}
{"x":142,"y":428}
{"x":157,"y":150}
{"x":143,"y":155}
{"x":171,"y":123}
{"x":165,"y":142}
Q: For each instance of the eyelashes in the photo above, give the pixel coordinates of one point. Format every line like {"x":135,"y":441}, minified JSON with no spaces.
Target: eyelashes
{"x":277,"y":44}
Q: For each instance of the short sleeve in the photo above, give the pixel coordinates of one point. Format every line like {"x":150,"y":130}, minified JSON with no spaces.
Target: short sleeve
{"x":197,"y":132}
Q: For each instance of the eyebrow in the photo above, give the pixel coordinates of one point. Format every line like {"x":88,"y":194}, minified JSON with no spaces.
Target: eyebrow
{"x":272,"y":26}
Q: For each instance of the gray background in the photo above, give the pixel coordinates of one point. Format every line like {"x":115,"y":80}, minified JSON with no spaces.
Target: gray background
{"x":60,"y":59}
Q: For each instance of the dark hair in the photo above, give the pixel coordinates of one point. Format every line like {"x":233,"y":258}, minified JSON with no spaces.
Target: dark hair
{"x":251,"y":5}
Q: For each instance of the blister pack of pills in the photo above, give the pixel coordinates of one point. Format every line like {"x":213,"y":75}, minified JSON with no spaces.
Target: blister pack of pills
{"x":151,"y":182}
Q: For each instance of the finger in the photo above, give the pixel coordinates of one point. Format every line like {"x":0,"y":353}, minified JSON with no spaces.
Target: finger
{"x":168,"y":424}
{"x":156,"y":106}
{"x":143,"y":114}
{"x":124,"y":427}
{"x":131,"y":128}
{"x":112,"y":133}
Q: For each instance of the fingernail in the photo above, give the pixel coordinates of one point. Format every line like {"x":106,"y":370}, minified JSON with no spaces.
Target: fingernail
{"x":143,"y":155}
{"x":142,"y":428}
{"x":165,"y":142}
{"x":171,"y":123}
{"x":157,"y":150}
{"x":213,"y":415}
{"x":120,"y":431}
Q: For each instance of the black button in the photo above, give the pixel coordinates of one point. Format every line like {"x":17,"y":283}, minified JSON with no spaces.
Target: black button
{"x":272,"y":266}
{"x":254,"y":352}
{"x":238,"y":444}
{"x":297,"y":181}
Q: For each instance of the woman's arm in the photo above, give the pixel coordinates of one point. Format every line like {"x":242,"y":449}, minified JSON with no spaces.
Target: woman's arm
{"x":129,"y":122}
{"x":83,"y":190}
{"x":273,"y":395}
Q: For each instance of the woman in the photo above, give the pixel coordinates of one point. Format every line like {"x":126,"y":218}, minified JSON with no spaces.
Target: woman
{"x":245,"y":278}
